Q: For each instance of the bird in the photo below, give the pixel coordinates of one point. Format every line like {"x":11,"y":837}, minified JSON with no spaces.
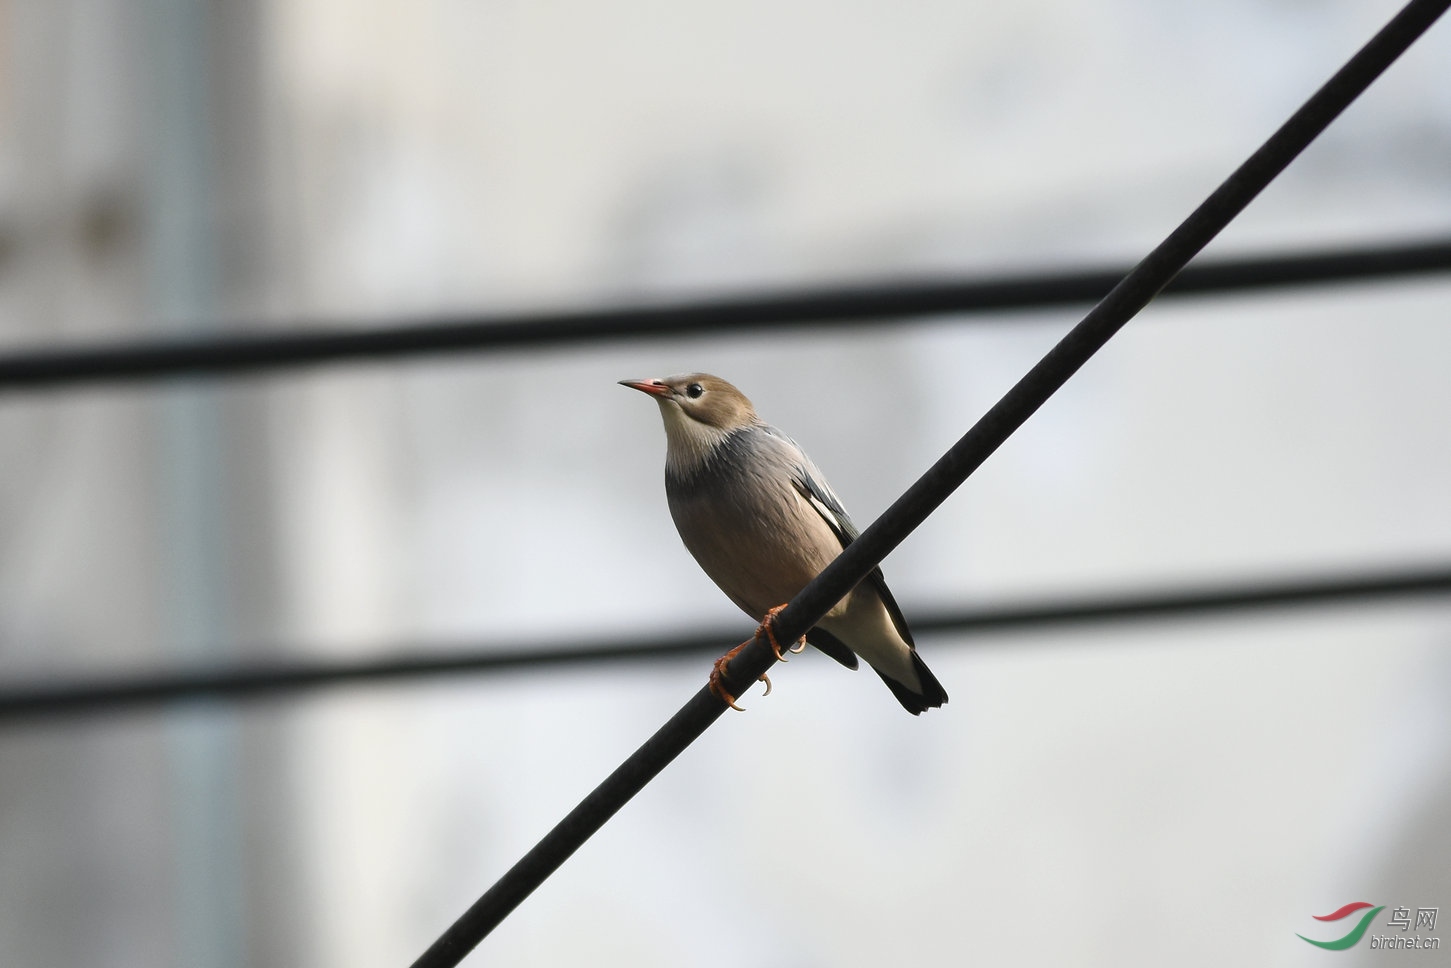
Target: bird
{"x":760,"y":519}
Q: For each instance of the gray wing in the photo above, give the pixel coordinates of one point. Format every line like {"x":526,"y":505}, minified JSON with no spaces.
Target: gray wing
{"x":811,"y":484}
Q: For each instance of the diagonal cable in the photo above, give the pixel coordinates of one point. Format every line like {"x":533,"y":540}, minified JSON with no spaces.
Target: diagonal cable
{"x":888,"y":303}
{"x":944,"y":477}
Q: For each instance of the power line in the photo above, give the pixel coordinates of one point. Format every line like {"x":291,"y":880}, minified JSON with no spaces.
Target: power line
{"x":26,"y":702}
{"x":253,"y":351}
{"x":944,"y":477}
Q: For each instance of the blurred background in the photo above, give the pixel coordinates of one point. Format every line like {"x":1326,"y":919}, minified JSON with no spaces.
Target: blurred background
{"x":1115,"y":794}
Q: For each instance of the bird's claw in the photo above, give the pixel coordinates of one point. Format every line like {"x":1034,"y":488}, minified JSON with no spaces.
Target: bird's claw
{"x":718,"y":671}
{"x":765,"y":629}
{"x":718,"y":674}
{"x":724,"y":696}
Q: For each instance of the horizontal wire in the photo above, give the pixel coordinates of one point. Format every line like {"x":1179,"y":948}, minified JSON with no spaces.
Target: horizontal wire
{"x":252,"y":351}
{"x":49,"y":700}
{"x":855,"y":562}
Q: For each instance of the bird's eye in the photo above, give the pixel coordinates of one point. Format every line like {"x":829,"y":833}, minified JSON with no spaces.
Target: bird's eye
{"x":694,"y":391}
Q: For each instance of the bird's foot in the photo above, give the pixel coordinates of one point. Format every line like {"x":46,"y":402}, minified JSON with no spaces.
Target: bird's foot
{"x":718,"y":674}
{"x":765,"y":629}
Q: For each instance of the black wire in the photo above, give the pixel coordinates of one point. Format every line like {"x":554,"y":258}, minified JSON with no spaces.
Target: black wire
{"x":853,"y":565}
{"x":253,"y":351}
{"x":28,"y":702}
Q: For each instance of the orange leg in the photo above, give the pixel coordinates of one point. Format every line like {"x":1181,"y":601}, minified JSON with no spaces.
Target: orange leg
{"x":717,"y":678}
{"x":765,"y":627}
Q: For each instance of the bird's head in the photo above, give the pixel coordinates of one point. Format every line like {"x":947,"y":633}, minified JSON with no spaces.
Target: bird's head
{"x":700,"y":411}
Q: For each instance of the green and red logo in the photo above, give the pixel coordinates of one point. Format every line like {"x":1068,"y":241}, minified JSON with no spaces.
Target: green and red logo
{"x":1404,"y":931}
{"x":1352,"y":938}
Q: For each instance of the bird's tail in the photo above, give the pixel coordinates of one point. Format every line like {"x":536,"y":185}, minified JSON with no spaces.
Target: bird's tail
{"x":931,"y":696}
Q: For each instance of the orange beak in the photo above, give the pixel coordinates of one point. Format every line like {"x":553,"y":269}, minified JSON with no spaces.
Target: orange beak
{"x":653,"y":387}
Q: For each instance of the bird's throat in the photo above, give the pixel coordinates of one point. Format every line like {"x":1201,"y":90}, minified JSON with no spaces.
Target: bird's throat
{"x":689,"y":444}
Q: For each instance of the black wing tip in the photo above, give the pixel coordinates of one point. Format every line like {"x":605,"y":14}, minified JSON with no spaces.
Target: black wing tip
{"x":932,"y":695}
{"x":832,"y":646}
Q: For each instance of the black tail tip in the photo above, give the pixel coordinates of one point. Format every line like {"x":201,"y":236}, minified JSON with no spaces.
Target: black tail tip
{"x":916,"y":703}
